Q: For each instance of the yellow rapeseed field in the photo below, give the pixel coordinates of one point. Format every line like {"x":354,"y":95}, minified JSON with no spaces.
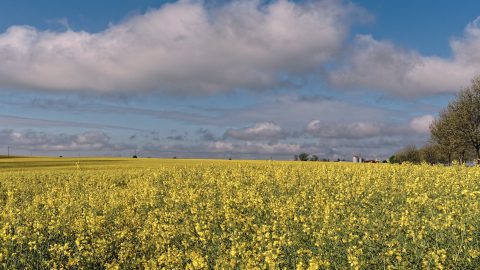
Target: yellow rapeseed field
{"x":201,"y":214}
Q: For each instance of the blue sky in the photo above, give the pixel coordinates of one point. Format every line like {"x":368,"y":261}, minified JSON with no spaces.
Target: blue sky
{"x":221,"y":79}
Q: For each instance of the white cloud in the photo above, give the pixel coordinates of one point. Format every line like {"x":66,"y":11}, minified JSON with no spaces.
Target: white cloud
{"x":181,"y":47}
{"x":41,"y":141}
{"x":221,"y":146}
{"x":260,"y":131}
{"x":422,"y":124}
{"x":371,"y":139}
{"x":255,"y":147}
{"x":383,"y":66}
{"x":326,"y":139}
{"x":371,"y":147}
{"x":364,"y":130}
{"x":15,"y":121}
{"x":352,"y":130}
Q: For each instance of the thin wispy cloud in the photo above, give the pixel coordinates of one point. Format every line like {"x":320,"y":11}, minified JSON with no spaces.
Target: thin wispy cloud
{"x":9,"y":120}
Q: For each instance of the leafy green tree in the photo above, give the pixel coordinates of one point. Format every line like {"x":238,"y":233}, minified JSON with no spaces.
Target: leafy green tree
{"x":457,"y":130}
{"x":432,"y":154}
{"x":408,"y":154}
{"x":442,"y":133}
{"x":314,"y":158}
{"x":303,"y":157}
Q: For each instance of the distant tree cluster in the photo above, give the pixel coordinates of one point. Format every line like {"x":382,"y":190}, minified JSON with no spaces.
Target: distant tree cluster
{"x":430,"y":153}
{"x":306,"y":157}
{"x":455,"y":134}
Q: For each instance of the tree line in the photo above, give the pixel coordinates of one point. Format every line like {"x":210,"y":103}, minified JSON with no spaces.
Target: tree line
{"x":454,"y":134}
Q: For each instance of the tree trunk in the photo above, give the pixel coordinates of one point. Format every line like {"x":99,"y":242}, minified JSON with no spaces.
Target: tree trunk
{"x":477,"y":152}
{"x":461,"y":157}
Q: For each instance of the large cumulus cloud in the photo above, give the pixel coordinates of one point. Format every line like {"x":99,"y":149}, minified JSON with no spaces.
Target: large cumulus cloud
{"x":182,"y":47}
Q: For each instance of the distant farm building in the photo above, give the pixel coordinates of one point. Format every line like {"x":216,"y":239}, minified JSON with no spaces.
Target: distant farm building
{"x":360,"y":159}
{"x":357,"y":159}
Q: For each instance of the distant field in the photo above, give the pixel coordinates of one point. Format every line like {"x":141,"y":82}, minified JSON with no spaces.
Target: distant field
{"x":22,"y":163}
{"x":124,"y":213}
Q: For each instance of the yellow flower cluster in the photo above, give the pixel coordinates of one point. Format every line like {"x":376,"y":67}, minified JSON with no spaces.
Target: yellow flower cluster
{"x":241,"y":215}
